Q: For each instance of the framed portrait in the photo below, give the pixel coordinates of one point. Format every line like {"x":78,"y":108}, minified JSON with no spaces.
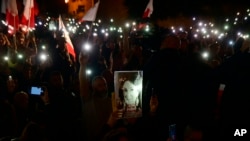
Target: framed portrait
{"x":128,"y":93}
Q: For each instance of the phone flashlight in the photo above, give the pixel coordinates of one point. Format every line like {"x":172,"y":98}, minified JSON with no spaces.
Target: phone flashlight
{"x":87,"y":47}
{"x":88,"y":71}
{"x":5,"y":58}
{"x":205,"y":55}
{"x":10,"y":77}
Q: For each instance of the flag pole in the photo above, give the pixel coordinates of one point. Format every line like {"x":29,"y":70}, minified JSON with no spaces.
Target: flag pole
{"x":90,"y":31}
{"x":29,"y":19}
{"x":15,"y":33}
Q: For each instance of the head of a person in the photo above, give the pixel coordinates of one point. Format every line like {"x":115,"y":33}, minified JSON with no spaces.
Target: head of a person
{"x":193,"y":134}
{"x":56,"y":79}
{"x":99,"y":86}
{"x":245,"y":46}
{"x":2,"y":39}
{"x":171,"y":41}
{"x":119,"y":134}
{"x":12,"y":85}
{"x":130,"y":92}
{"x":214,"y":48}
{"x":238,"y":44}
{"x":21,"y":100}
{"x":61,"y":44}
{"x":27,"y":71}
{"x":33,"y":132}
{"x":20,"y":37}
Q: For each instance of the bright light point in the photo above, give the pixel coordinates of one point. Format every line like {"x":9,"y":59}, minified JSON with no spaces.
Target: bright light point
{"x":230,"y":42}
{"x":111,"y":20}
{"x":227,"y":20}
{"x":181,"y":29}
{"x":204,"y":30}
{"x":20,"y":56}
{"x":245,"y":36}
{"x":87,"y":26}
{"x":121,"y":36}
{"x":87,"y":46}
{"x":238,"y":13}
{"x":99,"y":21}
{"x":127,"y":25}
{"x":194,"y":18}
{"x":200,"y":23}
{"x":6,"y":58}
{"x":106,"y":34}
{"x":205,"y":55}
{"x":195,"y":35}
{"x":88,"y":72}
{"x":226,"y":27}
{"x":134,"y":23}
{"x":43,"y":57}
{"x":95,"y":34}
{"x":43,"y":47}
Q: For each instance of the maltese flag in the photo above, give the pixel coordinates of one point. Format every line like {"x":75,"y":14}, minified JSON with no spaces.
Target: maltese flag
{"x":91,"y":13}
{"x":149,"y":10}
{"x":9,"y":8}
{"x":69,"y":45}
{"x":28,"y":17}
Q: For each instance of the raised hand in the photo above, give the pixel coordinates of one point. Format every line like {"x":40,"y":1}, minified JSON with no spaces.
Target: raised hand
{"x":153,"y":103}
{"x":83,"y":58}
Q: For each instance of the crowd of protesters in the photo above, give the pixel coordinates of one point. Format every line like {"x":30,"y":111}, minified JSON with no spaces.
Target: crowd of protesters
{"x":75,"y":105}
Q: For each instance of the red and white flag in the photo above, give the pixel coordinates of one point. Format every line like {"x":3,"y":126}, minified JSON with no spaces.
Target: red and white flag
{"x":28,"y":17}
{"x":9,"y":8}
{"x":69,"y":45}
{"x":91,"y":13}
{"x":149,"y":10}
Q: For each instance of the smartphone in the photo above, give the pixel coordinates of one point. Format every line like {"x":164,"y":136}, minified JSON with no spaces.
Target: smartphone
{"x":172,"y":132}
{"x":36,"y":90}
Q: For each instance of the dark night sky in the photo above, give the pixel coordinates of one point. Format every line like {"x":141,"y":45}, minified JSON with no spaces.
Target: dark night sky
{"x":123,"y":9}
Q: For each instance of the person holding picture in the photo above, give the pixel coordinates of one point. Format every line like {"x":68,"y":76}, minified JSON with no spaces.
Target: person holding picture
{"x":130,"y":92}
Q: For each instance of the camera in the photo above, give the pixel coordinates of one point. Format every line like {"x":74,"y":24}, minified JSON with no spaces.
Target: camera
{"x":36,"y":90}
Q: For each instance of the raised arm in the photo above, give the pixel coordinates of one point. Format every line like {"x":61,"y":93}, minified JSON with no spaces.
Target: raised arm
{"x":83,"y":81}
{"x":31,"y":40}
